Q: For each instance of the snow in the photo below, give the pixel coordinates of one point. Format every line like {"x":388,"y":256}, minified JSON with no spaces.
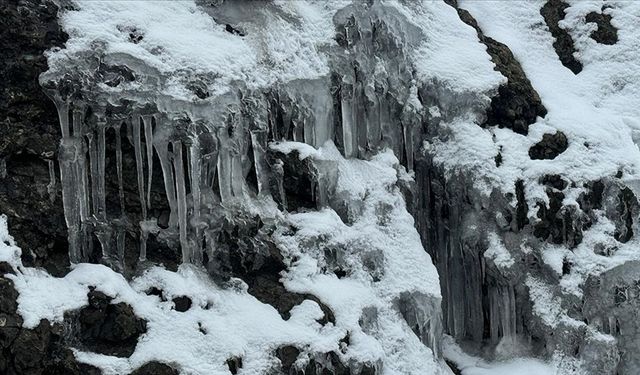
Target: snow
{"x":597,"y":109}
{"x":392,"y":245}
{"x":179,"y":39}
{"x":498,"y":252}
{"x":449,"y":51}
{"x":470,"y":365}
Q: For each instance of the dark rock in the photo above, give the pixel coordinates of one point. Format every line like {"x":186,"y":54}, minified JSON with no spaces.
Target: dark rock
{"x":30,"y":348}
{"x":234,"y":364}
{"x":247,"y":252}
{"x":592,"y":199}
{"x":627,"y":210}
{"x":182,"y":303}
{"x":287,"y":355}
{"x":606,"y":33}
{"x":6,"y":268}
{"x":522,"y":209}
{"x":199,"y":89}
{"x":156,"y":292}
{"x":107,"y":328}
{"x":29,"y":133}
{"x":553,"y":12}
{"x":230,"y":29}
{"x":297,"y":181}
{"x":555,"y":181}
{"x":549,"y":147}
{"x":559,"y":224}
{"x":8,"y":296}
{"x":498,"y":159}
{"x":155,"y":368}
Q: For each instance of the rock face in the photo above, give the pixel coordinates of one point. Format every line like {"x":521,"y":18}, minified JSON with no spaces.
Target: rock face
{"x":30,"y":133}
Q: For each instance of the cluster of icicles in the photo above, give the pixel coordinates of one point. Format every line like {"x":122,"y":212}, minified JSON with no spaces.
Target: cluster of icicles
{"x":200,"y":155}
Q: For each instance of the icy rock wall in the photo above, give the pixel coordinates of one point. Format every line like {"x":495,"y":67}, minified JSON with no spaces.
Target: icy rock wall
{"x":213,"y":152}
{"x":204,"y":161}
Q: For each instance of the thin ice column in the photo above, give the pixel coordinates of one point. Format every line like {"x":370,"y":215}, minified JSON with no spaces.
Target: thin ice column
{"x":181,"y":195}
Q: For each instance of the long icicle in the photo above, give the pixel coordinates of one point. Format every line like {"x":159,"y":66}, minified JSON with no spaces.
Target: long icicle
{"x":81,"y":171}
{"x":137,"y":146}
{"x":119,"y":167}
{"x":148,"y":138}
{"x":162,"y":150}
{"x":195,"y":162}
{"x":181,"y":195}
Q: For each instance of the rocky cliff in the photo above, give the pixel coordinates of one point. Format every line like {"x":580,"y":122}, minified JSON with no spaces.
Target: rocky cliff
{"x":305,"y":188}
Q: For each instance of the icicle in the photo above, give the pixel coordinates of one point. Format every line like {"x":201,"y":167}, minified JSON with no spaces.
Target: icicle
{"x":181,"y":195}
{"x":101,"y":153}
{"x":322,"y":113}
{"x":258,"y":144}
{"x":360,"y":120}
{"x":119,"y":167}
{"x":51,"y":187}
{"x":93,"y":163}
{"x":347,"y":126}
{"x":104,"y":234}
{"x":237,"y":175}
{"x":224,"y":166}
{"x":277,"y":171}
{"x":195,"y":163}
{"x":137,"y":145}
{"x":81,"y":172}
{"x":408,"y":143}
{"x":148,"y":138}
{"x":146,"y":227}
{"x":309,"y":133}
{"x":68,"y":156}
{"x":162,"y":149}
{"x":63,"y":115}
{"x":120,"y":242}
